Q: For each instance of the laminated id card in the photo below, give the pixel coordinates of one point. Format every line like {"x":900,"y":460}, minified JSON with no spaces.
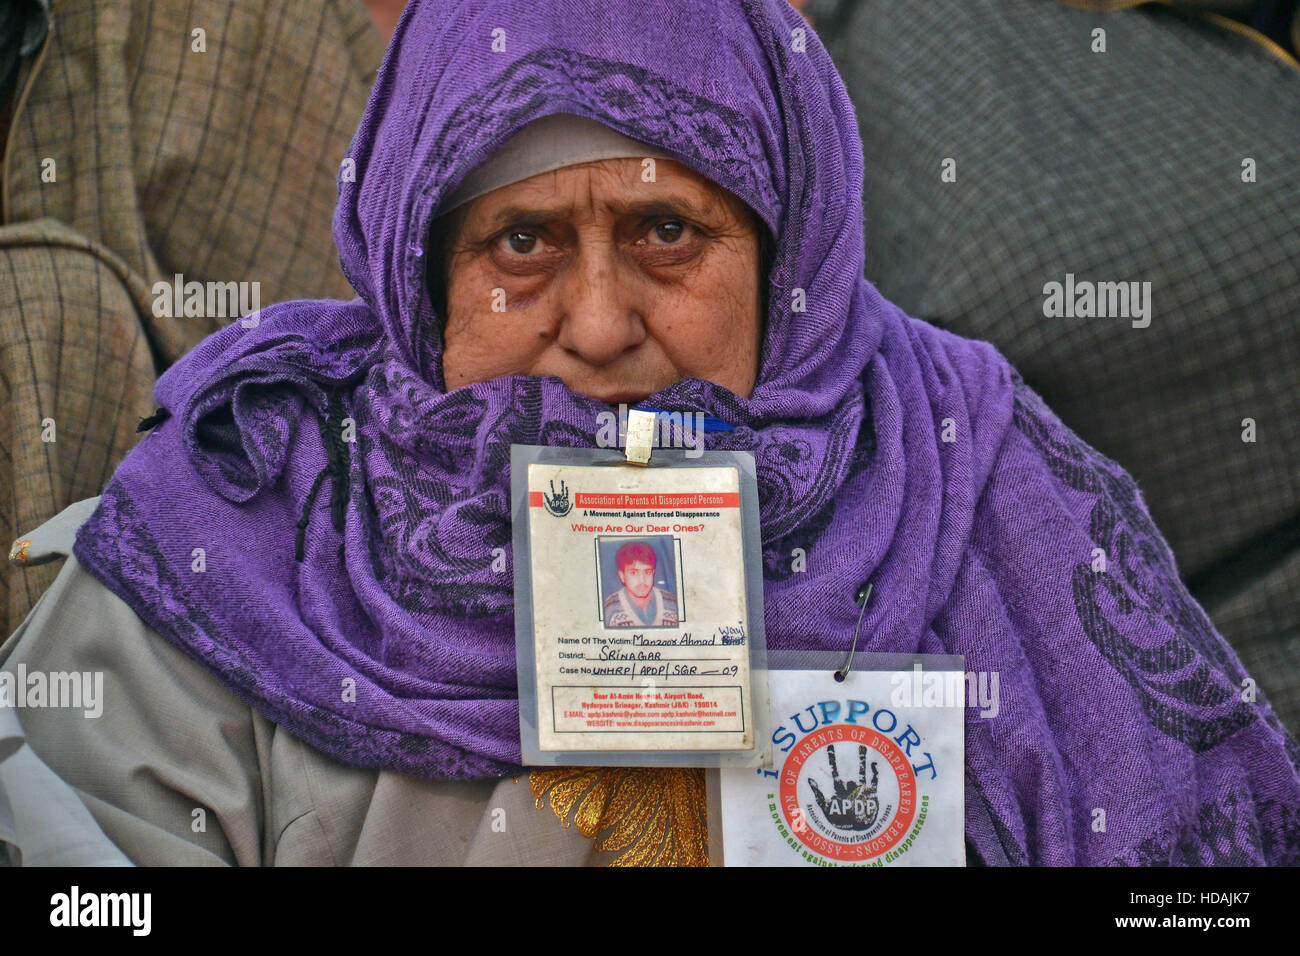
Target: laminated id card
{"x":638,"y":608}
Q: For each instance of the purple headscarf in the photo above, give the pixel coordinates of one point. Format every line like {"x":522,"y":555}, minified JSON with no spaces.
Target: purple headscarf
{"x":886,"y":449}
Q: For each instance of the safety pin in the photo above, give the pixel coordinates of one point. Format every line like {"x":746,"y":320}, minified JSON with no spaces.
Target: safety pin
{"x":861,"y":599}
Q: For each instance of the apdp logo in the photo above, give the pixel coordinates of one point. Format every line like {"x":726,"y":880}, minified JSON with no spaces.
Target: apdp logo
{"x":557,"y":502}
{"x":854,"y":819}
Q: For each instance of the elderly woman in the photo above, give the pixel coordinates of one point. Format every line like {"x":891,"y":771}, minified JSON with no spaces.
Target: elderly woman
{"x":295,"y":588}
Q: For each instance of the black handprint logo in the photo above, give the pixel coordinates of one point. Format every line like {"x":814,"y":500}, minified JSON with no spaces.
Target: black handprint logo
{"x":557,"y":502}
{"x":853,"y":806}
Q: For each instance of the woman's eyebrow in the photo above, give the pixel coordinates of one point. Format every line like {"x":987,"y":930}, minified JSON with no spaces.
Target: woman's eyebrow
{"x":532,"y":215}
{"x":659,"y":207}
{"x":541,"y":215}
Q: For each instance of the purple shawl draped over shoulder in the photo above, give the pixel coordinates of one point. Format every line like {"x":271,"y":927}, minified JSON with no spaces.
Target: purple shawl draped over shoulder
{"x":885,"y":449}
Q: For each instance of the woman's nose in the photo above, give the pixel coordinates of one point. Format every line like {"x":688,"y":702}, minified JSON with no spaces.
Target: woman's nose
{"x":599,"y":320}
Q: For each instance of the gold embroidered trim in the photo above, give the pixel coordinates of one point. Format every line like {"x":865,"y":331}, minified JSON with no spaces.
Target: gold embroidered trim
{"x":18,"y":551}
{"x":648,"y":816}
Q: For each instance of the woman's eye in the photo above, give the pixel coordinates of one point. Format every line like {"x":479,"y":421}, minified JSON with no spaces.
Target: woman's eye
{"x":519,"y":241}
{"x":669,"y":232}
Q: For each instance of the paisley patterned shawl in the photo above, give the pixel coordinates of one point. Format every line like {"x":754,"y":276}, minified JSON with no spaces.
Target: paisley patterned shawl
{"x":885,"y":449}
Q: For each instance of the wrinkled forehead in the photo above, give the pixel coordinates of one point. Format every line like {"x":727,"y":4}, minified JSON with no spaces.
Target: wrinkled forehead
{"x":607,"y":187}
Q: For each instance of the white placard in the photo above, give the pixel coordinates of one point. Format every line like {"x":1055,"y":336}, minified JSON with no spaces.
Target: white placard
{"x":867,"y":772}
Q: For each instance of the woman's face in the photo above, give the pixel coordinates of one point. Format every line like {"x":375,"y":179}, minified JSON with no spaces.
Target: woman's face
{"x":620,"y":287}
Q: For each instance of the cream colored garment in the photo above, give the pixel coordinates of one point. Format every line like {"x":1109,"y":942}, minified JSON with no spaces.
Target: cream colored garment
{"x":178,"y":771}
